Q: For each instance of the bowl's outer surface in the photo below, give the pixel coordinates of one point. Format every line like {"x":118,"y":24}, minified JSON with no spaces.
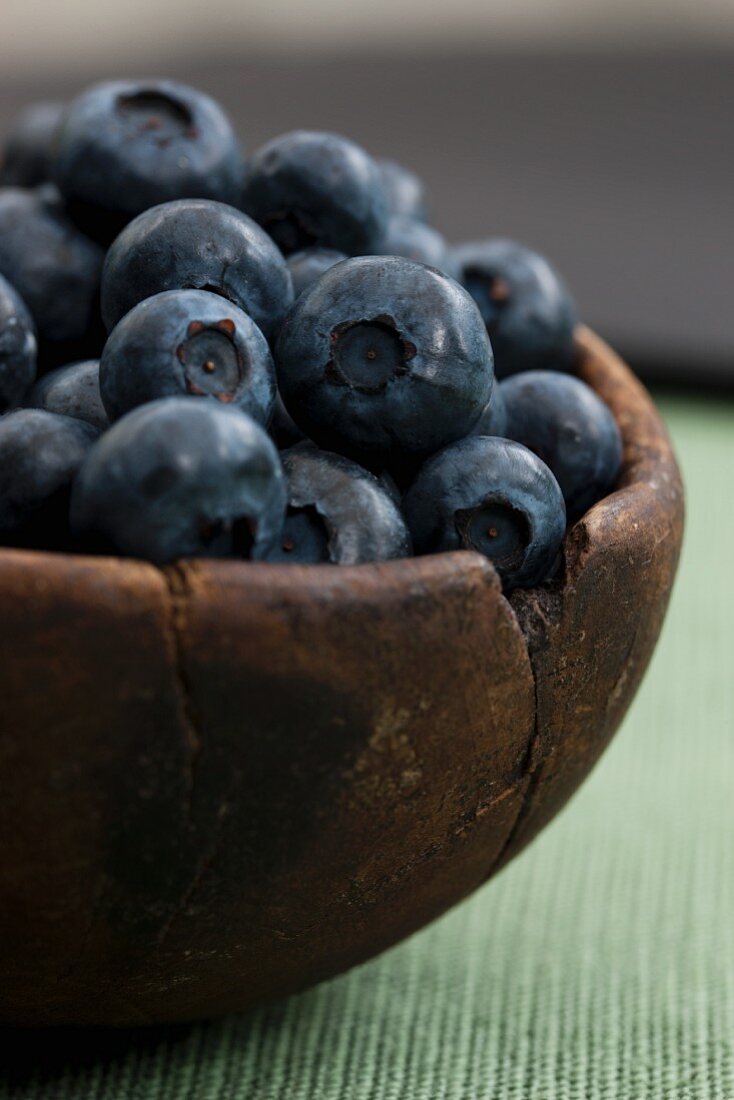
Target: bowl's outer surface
{"x":224,"y":782}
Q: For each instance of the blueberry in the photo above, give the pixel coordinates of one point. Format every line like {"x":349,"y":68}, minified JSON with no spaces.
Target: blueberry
{"x":26,"y":157}
{"x":309,"y":264}
{"x":404,"y":191}
{"x":179,"y":478}
{"x":313,"y":189}
{"x":494,"y":496}
{"x":283,"y":429}
{"x":54,"y":268}
{"x":187,"y":342}
{"x":388,"y":483}
{"x":529,"y":313}
{"x":384,"y":360}
{"x":125,"y":145}
{"x":17,"y":347}
{"x":49,"y":196}
{"x":73,"y":391}
{"x":566,"y":424}
{"x":40,"y":454}
{"x":416,"y":241}
{"x":197,"y":244}
{"x":337,"y":512}
{"x":493,"y":420}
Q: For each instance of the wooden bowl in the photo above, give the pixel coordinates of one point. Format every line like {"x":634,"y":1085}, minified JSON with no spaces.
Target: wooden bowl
{"x":225,"y":782}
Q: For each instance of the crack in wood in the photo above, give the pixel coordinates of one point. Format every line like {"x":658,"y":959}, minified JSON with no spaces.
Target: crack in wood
{"x":205,"y":864}
{"x":178,"y":587}
{"x":536,"y":613}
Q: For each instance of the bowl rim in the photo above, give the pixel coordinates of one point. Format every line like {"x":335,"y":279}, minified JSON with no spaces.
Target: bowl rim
{"x":649,"y":465}
{"x":553,"y":679}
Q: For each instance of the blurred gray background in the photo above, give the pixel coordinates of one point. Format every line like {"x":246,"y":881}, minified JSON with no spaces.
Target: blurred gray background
{"x":599,"y":133}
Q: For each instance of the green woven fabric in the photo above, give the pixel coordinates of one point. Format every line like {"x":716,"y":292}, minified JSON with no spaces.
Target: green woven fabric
{"x":599,"y":965}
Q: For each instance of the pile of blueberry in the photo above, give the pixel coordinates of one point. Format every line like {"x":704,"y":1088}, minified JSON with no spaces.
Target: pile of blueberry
{"x":273,"y":358}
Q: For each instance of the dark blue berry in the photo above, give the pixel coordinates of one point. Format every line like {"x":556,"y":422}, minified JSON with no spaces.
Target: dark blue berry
{"x":404,"y":191}
{"x":40,"y":454}
{"x":124,"y":146}
{"x":529,"y":313}
{"x":416,"y":241}
{"x":187,"y":342}
{"x":54,"y":268}
{"x":283,"y":428}
{"x":337,"y":512}
{"x":309,"y":264}
{"x":566,"y":424}
{"x":73,"y":391}
{"x":179,"y":478}
{"x":493,"y":496}
{"x":50,"y":196}
{"x":388,"y":483}
{"x":17,"y":347}
{"x":384,"y":360}
{"x":26,"y":157}
{"x":202,"y":245}
{"x":493,"y":420}
{"x":313,"y":189}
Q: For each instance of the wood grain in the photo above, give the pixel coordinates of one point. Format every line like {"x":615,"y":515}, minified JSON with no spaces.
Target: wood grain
{"x":227,"y":781}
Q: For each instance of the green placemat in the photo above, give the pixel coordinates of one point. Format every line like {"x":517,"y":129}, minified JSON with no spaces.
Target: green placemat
{"x":599,"y":965}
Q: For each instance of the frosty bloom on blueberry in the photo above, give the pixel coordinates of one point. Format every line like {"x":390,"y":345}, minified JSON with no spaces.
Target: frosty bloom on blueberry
{"x":197,"y":244}
{"x":563,"y":421}
{"x":40,"y":454}
{"x":51,"y":264}
{"x":493,"y":420}
{"x":17,"y":347}
{"x":71,"y":391}
{"x":338,"y":512}
{"x":124,"y":146}
{"x":404,"y":191}
{"x":416,"y":241}
{"x":187,"y":342}
{"x":309,"y":264}
{"x":298,"y":300}
{"x":384,"y":360}
{"x":313,"y":189}
{"x":529,"y":313}
{"x":494,"y":496}
{"x":179,"y":478}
